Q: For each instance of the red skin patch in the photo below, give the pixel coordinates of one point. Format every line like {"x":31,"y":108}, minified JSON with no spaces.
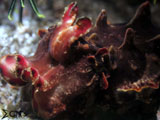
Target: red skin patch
{"x":67,"y":33}
{"x":22,"y":61}
{"x":105,"y":81}
{"x":8,"y":66}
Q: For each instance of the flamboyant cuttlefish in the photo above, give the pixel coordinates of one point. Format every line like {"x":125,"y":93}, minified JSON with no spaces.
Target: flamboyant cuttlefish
{"x":78,"y":67}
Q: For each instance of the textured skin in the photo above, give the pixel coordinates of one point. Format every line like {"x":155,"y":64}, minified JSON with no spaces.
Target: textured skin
{"x":74,"y":70}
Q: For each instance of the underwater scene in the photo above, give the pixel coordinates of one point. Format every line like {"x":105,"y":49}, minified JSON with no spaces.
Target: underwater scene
{"x":79,"y":60}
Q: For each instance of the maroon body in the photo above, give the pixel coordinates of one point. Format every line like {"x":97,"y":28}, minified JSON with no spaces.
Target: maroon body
{"x":77,"y":66}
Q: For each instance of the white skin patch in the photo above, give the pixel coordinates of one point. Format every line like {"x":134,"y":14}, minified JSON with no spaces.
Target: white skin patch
{"x":72,"y":39}
{"x":69,"y":21}
{"x":60,"y":34}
